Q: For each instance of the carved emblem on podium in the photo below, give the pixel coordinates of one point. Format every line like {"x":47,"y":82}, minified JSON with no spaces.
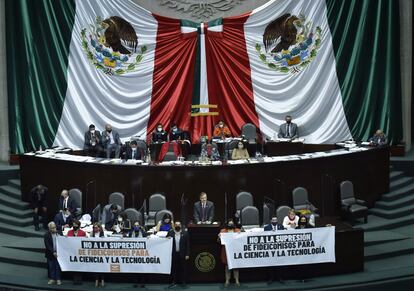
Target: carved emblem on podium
{"x":205,"y":262}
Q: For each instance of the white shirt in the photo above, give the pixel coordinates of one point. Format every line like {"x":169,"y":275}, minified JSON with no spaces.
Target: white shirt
{"x":177,"y":241}
{"x":287,"y":222}
{"x":111,"y":138}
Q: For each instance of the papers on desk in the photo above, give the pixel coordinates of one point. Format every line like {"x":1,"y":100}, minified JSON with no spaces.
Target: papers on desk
{"x":237,"y":162}
{"x":162,"y":234}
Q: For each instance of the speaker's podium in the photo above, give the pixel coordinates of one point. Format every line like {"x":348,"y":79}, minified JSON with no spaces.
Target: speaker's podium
{"x":205,"y":263}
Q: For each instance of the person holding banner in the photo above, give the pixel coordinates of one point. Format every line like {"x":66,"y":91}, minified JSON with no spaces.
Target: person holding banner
{"x":76,"y":231}
{"x":180,"y":253}
{"x":53,"y":267}
{"x":230,"y":227}
{"x":273,"y":226}
{"x":137,"y":231}
{"x":98,"y":231}
{"x":291,"y":220}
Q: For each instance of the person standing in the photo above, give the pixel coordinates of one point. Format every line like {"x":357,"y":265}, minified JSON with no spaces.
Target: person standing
{"x":229,"y":228}
{"x":50,"y":239}
{"x":98,"y":231}
{"x":38,"y":198}
{"x":180,"y":254}
{"x":67,"y":202}
{"x":274,"y":225}
{"x":203,"y":210}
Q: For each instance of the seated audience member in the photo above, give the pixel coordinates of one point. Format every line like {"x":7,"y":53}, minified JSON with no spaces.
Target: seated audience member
{"x":110,"y":216}
{"x":98,"y":231}
{"x":180,"y":253}
{"x":92,"y":143}
{"x":63,"y":219}
{"x":303,"y":222}
{"x":210,"y":151}
{"x":378,"y":139}
{"x":137,"y":230}
{"x":240,"y":152}
{"x":230,"y":227}
{"x":133,"y":152}
{"x":76,"y":230}
{"x":38,"y":198}
{"x":159,"y":134}
{"x":111,"y":141}
{"x":203,"y":210}
{"x":165,"y":224}
{"x":273,"y":225}
{"x":54,"y":272}
{"x":291,"y":220}
{"x":288,"y":129}
{"x":176,"y":133}
{"x":221,"y":130}
{"x":122,"y":225}
{"x":67,"y":202}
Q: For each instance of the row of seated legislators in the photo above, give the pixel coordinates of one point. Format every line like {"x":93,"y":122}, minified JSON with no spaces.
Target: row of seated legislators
{"x":115,"y":222}
{"x":109,"y":141}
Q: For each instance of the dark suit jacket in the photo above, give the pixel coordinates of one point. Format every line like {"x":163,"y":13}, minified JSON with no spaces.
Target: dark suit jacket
{"x":184,"y":242}
{"x":175,"y":135}
{"x":269,"y":227}
{"x":293,"y":131}
{"x":139,"y":154}
{"x":209,"y":211}
{"x":38,"y":200}
{"x":89,"y":138}
{"x":72,"y":205}
{"x":59,"y":221}
{"x":159,"y":136}
{"x":48,"y":245}
{"x":106,"y":141}
{"x":378,"y":140}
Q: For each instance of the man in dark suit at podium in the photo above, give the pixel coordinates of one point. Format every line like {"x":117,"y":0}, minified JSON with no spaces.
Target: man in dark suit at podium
{"x":203,"y":210}
{"x":288,"y":129}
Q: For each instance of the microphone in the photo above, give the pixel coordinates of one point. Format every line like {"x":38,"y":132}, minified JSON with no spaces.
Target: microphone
{"x":87,"y":192}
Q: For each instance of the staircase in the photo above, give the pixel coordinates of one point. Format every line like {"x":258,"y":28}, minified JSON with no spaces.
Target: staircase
{"x":390,"y":228}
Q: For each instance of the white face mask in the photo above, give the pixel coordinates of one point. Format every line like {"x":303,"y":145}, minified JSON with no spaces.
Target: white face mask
{"x":93,"y":131}
{"x":174,"y":129}
{"x":66,"y":215}
{"x":221,"y":125}
{"x":159,"y":128}
{"x":240,"y":146}
{"x":120,"y":219}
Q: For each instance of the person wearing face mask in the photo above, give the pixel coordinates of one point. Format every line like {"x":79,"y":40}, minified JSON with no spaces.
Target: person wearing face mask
{"x":230,"y":227}
{"x":176,"y":133}
{"x":133,"y":152}
{"x":221,"y":130}
{"x":289,"y":129}
{"x":274,"y":225}
{"x":180,"y":254}
{"x":240,"y":153}
{"x":210,"y":151}
{"x":76,"y":230}
{"x":122,"y":225}
{"x":137,"y":230}
{"x":92,"y":142}
{"x":111,"y":141}
{"x":63,"y":220}
{"x":159,"y":135}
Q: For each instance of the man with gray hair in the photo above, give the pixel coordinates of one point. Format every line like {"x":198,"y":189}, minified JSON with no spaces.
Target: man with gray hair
{"x":111,"y":141}
{"x":51,"y":255}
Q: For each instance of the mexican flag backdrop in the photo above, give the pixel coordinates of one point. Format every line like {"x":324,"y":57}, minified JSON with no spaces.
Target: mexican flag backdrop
{"x":333,"y":65}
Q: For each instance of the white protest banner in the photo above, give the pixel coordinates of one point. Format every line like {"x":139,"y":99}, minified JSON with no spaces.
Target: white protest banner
{"x":279,"y":248}
{"x":118,"y":255}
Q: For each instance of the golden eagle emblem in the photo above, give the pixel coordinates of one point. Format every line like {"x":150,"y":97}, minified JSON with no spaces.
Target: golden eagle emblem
{"x":117,"y":29}
{"x":290,"y":43}
{"x":111,"y":45}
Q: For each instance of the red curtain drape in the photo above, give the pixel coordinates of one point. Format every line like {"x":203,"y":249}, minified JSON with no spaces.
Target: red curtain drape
{"x":173,"y":76}
{"x":229,"y":76}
